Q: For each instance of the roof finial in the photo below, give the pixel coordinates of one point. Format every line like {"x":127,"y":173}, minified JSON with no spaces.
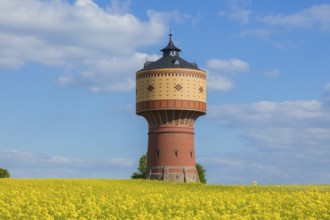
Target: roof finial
{"x":170,"y":49}
{"x":170,"y":34}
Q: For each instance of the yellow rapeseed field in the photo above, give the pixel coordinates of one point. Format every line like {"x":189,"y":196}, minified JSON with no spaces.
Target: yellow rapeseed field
{"x":142,"y":199}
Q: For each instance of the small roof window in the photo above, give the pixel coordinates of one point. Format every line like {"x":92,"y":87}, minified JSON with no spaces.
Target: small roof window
{"x":176,"y":62}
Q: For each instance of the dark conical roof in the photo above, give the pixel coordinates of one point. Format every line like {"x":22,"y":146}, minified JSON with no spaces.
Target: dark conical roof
{"x":170,"y":46}
{"x":170,"y":59}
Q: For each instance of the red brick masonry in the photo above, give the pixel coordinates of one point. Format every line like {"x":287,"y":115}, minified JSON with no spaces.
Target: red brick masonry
{"x":171,"y":153}
{"x":171,"y":104}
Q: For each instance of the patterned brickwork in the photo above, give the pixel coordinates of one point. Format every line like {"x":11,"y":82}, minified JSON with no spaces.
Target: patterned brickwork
{"x":171,"y":84}
{"x":171,"y":72}
{"x":171,"y":104}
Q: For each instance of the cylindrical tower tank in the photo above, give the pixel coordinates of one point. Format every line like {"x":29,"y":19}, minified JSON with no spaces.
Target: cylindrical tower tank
{"x":171,"y":95}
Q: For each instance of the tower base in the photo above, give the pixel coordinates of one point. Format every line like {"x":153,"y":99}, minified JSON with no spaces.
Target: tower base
{"x":178,"y":174}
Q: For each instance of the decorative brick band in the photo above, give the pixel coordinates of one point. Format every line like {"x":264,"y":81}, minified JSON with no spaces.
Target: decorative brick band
{"x":171,"y":72}
{"x":171,"y":104}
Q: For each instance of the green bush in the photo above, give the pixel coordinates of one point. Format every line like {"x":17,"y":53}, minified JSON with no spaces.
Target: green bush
{"x":201,"y":173}
{"x":4,"y":173}
{"x":142,"y":168}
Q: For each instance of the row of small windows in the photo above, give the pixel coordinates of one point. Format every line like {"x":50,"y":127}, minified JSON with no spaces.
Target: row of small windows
{"x":193,"y":96}
{"x":173,"y":95}
{"x":174,"y":84}
{"x":175,"y":153}
{"x":167,"y":87}
{"x":170,"y":74}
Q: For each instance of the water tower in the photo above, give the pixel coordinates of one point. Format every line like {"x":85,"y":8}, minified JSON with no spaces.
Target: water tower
{"x":171,"y":95}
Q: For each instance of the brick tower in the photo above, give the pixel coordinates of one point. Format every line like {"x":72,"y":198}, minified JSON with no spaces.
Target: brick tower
{"x":171,"y":95}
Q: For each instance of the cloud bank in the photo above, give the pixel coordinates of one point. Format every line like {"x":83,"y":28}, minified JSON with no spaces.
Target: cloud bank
{"x":31,"y":165}
{"x":95,"y":48}
{"x":316,"y":15}
{"x":238,"y":11}
{"x":221,"y":71}
{"x":288,"y":142}
{"x":272,"y":26}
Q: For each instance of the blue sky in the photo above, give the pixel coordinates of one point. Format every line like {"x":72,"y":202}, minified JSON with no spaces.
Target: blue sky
{"x":67,"y":80}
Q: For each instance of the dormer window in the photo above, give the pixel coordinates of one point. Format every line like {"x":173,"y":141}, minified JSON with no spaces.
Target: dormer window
{"x":176,"y":62}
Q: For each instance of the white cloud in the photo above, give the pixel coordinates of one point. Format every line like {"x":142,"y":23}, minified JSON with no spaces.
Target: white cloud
{"x":327,"y":87}
{"x":114,"y":74}
{"x":83,"y":24}
{"x":293,"y":125}
{"x":238,"y":11}
{"x":267,"y":35}
{"x":271,"y":26}
{"x":96,"y":48}
{"x":268,"y":167}
{"x":273,"y":114}
{"x":219,"y":82}
{"x":222,"y":13}
{"x":222,"y":161}
{"x":228,"y":66}
{"x":240,"y":15}
{"x":289,"y":140}
{"x":257,"y":32}
{"x":122,"y":162}
{"x":327,"y":95}
{"x":316,"y":15}
{"x":26,"y":164}
{"x":119,"y":7}
{"x":63,"y":160}
{"x":220,"y":71}
{"x":272,"y":73}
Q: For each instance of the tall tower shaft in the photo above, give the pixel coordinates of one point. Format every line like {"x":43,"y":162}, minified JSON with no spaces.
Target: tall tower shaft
{"x":171,"y":95}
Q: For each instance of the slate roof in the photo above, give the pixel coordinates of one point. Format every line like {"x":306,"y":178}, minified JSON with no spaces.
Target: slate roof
{"x":170,"y":59}
{"x":169,"y":62}
{"x":170,"y":46}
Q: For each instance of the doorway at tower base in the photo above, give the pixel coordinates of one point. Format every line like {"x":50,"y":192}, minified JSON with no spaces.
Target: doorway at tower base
{"x":181,"y":174}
